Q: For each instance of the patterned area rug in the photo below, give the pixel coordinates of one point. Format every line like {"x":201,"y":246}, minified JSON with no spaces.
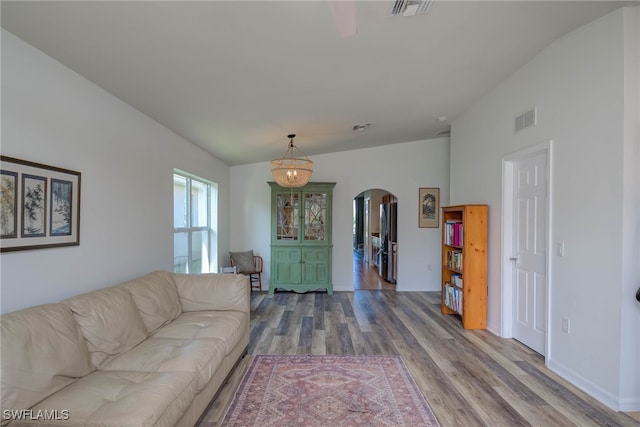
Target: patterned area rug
{"x":335,"y":391}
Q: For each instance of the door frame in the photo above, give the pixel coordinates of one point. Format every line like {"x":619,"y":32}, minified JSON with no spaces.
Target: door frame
{"x":507,"y":266}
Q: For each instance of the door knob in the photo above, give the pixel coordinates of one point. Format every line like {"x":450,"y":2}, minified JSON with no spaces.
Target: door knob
{"x":513,"y":258}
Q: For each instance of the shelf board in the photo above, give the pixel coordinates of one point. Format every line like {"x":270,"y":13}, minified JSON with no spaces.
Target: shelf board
{"x":454,"y":311}
{"x":454,"y":246}
{"x":453,"y":285}
{"x":455,"y":270}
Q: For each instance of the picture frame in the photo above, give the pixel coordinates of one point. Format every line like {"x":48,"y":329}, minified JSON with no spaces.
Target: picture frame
{"x":39,"y":205}
{"x":8,"y":199}
{"x":428,"y":207}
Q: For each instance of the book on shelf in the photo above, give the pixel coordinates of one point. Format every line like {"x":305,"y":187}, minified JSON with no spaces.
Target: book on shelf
{"x":453,"y":298}
{"x":454,"y":260}
{"x":456,"y":279}
{"x":453,"y":231}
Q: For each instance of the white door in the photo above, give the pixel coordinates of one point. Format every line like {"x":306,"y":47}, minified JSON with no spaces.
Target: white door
{"x":529,"y":250}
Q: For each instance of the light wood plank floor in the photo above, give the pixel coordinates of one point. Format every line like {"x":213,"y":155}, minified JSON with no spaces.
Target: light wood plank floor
{"x":469,"y":378}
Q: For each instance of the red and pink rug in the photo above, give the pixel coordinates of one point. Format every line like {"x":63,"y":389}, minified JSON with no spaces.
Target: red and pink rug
{"x":337,"y":391}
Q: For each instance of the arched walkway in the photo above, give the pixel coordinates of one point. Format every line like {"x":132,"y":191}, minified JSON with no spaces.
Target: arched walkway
{"x":374,"y":240}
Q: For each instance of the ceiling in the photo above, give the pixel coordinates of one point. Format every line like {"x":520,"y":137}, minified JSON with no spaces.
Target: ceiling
{"x":235,"y":77}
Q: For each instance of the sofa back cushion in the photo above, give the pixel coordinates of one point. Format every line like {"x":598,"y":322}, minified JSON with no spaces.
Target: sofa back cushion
{"x":200,"y":292}
{"x":41,"y":351}
{"x":109,"y":321}
{"x":156,"y":297}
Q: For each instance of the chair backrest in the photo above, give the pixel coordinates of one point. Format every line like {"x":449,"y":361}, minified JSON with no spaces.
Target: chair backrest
{"x":257,"y":263}
{"x":257,"y":259}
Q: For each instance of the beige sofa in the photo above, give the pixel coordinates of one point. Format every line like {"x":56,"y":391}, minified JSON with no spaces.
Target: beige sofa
{"x":152,"y":351}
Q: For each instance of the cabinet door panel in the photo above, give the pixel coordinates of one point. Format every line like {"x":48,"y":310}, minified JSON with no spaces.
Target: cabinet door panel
{"x":314,"y":273}
{"x":315,"y":263}
{"x":288,"y":273}
{"x":287,"y":255}
{"x":287,"y":265}
{"x":315,"y":216}
{"x":287,"y":216}
{"x":315,"y":255}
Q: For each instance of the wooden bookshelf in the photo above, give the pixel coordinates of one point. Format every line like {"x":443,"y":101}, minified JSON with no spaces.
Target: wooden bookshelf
{"x":464,"y":264}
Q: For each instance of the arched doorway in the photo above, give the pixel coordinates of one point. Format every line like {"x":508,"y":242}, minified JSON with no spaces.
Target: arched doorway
{"x":375,"y":242}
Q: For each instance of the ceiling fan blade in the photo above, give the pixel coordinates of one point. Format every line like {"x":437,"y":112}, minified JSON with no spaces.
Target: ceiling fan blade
{"x":344,"y":16}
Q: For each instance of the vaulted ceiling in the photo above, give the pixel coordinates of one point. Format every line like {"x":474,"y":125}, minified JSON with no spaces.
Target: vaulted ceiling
{"x":235,"y":77}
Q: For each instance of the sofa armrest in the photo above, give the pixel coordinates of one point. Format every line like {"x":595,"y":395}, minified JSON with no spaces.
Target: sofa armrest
{"x":201,"y":292}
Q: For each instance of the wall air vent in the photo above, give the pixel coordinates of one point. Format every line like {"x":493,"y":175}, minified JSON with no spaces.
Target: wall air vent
{"x":525,"y":120}
{"x":410,"y":7}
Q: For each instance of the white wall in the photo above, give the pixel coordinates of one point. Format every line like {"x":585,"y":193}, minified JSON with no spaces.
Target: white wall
{"x":399,"y":169}
{"x":54,"y":116}
{"x":630,"y":308}
{"x":578,"y":86}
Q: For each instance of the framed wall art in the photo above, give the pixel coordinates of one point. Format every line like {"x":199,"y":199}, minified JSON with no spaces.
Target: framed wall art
{"x":39,"y":205}
{"x":428,"y":207}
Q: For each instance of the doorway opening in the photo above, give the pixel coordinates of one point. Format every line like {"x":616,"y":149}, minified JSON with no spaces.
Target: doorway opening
{"x":375,"y":240}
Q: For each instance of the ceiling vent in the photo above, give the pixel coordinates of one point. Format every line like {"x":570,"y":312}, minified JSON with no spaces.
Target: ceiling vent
{"x":361,"y":127}
{"x":410,"y":7}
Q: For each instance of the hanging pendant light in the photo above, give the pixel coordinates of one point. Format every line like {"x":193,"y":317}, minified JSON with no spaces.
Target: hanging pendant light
{"x":290,"y":171}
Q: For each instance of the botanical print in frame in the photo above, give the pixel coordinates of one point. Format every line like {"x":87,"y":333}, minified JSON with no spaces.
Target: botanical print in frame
{"x":61,"y":201}
{"x":40,"y":205}
{"x":8,"y":204}
{"x":428,"y":207}
{"x":34,"y":206}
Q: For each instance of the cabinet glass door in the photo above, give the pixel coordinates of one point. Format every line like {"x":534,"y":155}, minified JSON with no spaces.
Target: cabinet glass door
{"x":288,"y":216}
{"x":315,"y":212}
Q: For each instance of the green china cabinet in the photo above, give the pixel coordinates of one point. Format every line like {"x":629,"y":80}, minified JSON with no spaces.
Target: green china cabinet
{"x":301,"y":237}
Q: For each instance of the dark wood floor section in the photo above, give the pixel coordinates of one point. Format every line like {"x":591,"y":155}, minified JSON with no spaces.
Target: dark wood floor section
{"x":469,"y":378}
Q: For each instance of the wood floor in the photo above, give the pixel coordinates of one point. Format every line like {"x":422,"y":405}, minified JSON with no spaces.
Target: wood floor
{"x":469,"y":378}
{"x":365,"y":275}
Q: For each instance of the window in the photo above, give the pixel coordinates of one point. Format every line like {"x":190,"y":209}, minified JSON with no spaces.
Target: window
{"x":195,"y":222}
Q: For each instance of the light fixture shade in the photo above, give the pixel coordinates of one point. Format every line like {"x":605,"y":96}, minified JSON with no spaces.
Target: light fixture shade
{"x":290,"y":171}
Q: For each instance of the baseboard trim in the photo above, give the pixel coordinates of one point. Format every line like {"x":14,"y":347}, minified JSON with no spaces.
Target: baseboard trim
{"x":593,"y":390}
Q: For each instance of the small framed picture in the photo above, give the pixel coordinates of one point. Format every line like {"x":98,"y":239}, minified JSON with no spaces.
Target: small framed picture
{"x":428,"y":207}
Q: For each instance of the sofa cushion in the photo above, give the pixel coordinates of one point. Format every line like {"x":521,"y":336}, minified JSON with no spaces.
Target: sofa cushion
{"x":41,"y":352}
{"x":227,"y":326}
{"x":204,"y":292}
{"x":201,"y":356}
{"x":156,"y":297}
{"x":109,"y":320}
{"x":122,"y":399}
